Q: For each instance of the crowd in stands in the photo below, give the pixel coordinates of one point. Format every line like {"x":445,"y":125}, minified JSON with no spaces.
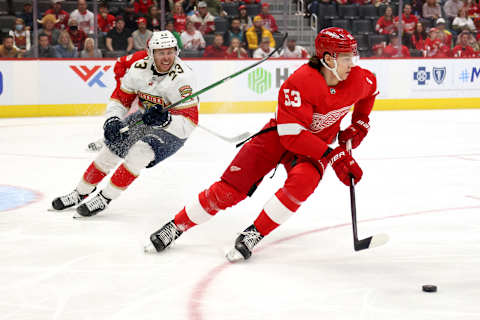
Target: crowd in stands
{"x":242,"y":29}
{"x":202,"y":29}
{"x":426,"y":28}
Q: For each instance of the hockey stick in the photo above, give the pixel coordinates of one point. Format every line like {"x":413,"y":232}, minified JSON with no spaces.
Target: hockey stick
{"x":370,"y":242}
{"x":233,"y":139}
{"x":213,"y":85}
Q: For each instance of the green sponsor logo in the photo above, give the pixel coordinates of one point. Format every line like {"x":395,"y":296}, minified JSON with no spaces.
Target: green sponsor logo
{"x":259,"y":80}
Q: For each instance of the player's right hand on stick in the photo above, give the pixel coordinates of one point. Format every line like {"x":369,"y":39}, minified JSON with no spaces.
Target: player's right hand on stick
{"x":344,"y":165}
{"x":111,"y":129}
{"x":156,"y":116}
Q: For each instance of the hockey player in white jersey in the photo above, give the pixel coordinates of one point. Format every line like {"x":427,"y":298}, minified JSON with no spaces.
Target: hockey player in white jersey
{"x":158,"y":81}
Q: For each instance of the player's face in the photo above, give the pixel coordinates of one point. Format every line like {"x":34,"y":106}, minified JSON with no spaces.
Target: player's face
{"x":164,"y":58}
{"x":345,"y":62}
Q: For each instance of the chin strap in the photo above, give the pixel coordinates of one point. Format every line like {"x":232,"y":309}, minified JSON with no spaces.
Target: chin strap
{"x":333,"y":70}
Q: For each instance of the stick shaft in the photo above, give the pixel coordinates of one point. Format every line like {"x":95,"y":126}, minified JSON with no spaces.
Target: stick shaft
{"x":353,"y":205}
{"x":215,"y":84}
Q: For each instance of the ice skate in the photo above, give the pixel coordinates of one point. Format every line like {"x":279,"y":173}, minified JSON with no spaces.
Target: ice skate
{"x":163,"y":238}
{"x":244,"y":244}
{"x":69,"y":200}
{"x":93,"y":206}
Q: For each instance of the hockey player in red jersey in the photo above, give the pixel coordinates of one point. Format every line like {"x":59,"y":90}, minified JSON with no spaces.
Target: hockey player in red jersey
{"x":311,"y":104}
{"x":158,"y":80}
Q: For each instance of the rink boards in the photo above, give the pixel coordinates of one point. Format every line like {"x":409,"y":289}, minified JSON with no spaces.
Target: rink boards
{"x":82,"y":87}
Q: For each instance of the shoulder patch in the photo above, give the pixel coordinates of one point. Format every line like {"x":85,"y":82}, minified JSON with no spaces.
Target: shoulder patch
{"x":185,"y":91}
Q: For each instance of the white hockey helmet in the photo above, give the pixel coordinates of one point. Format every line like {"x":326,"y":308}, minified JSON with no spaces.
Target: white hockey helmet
{"x":161,"y":40}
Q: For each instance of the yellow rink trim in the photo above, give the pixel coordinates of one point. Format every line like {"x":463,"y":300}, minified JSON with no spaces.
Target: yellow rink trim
{"x":232,"y":107}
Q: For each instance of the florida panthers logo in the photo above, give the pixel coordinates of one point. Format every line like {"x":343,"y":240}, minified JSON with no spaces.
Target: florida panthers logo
{"x":322,"y":121}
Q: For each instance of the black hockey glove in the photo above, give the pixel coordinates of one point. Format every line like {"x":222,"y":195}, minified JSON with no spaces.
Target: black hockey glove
{"x":156,"y":116}
{"x":111,"y":129}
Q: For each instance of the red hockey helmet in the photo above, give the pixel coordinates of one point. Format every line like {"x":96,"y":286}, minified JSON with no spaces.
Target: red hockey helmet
{"x":333,"y":41}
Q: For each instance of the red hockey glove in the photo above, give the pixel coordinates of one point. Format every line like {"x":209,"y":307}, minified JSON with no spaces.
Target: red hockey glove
{"x":355,"y":132}
{"x":344,"y":165}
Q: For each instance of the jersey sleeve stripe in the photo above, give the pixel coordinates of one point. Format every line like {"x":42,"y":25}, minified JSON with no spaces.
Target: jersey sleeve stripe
{"x":287,"y":129}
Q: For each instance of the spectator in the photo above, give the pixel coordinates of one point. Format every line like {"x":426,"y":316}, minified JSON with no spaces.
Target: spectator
{"x":446,"y":35}
{"x":291,"y":50}
{"x":179,"y":18}
{"x":395,"y":49}
{"x":105,"y":20}
{"x":462,"y":49}
{"x":385,"y":23}
{"x":216,"y":49}
{"x":234,"y":31}
{"x":473,"y":8}
{"x":435,"y":46}
{"x":245,"y":21}
{"x":419,"y":37}
{"x":61,"y":15}
{"x":235,"y":51}
{"x":189,"y":7}
{"x":141,"y":35}
{"x":8,"y":50}
{"x":130,"y":17}
{"x":153,"y":19}
{"x":65,"y":47}
{"x":264,"y":49}
{"x":169,"y":27}
{"x":27,"y":15}
{"x":431,"y":10}
{"x":409,"y":22}
{"x":20,"y":35}
{"x":463,"y":22}
{"x":141,"y":6}
{"x":214,"y":7}
{"x":192,"y":39}
{"x":89,"y":50}
{"x":378,"y":50}
{"x":203,"y":20}
{"x":45,"y":50}
{"x":451,"y":8}
{"x":78,"y":36}
{"x":119,"y":38}
{"x":84,"y":17}
{"x":257,"y":32}
{"x":268,"y":20}
{"x":48,"y":23}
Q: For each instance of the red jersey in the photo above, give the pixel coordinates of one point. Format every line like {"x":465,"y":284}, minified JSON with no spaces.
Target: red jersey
{"x":212,"y":51}
{"x":409,"y":23}
{"x":142,"y":6}
{"x":179,"y":22}
{"x":63,"y":16}
{"x":395,"y":52}
{"x":436,"y":49}
{"x":269,"y":22}
{"x":385,"y":26}
{"x":106,"y":24}
{"x":463,"y":52}
{"x":309,"y":112}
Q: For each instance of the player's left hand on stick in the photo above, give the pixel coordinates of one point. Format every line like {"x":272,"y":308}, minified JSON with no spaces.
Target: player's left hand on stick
{"x":355,"y":132}
{"x":156,"y":116}
{"x":344,"y":165}
{"x":111,"y":129}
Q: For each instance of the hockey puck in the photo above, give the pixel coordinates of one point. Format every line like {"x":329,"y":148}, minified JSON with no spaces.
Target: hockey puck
{"x":429,"y":288}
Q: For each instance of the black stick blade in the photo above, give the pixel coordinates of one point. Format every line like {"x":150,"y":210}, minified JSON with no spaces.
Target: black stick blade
{"x":371,"y":242}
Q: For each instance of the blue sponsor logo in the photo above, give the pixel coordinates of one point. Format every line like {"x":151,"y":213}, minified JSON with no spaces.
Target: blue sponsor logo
{"x":1,"y":82}
{"x":475,"y":74}
{"x":421,"y":76}
{"x":466,"y":76}
{"x":439,"y":74}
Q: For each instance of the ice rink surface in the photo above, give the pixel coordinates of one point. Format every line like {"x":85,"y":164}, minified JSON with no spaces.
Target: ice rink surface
{"x":420,"y":186}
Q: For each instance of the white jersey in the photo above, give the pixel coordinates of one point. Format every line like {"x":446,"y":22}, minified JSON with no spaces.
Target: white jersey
{"x":298,"y":52}
{"x":153,"y":88}
{"x":259,"y":53}
{"x":85,"y":20}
